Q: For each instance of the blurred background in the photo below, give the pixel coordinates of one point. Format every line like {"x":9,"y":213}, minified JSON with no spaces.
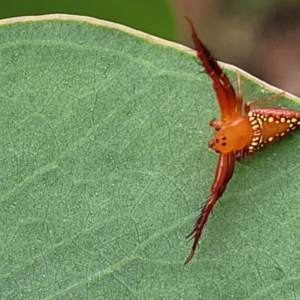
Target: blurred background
{"x":261,"y":37}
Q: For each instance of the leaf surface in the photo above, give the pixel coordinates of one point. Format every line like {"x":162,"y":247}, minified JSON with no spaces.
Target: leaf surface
{"x":104,"y":165}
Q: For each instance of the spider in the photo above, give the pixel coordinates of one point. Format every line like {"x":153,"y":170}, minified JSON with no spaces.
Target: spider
{"x":240,"y":131}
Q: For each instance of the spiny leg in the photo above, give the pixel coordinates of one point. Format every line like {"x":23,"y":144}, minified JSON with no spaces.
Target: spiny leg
{"x":223,"y":174}
{"x":221,"y":84}
{"x":230,"y":169}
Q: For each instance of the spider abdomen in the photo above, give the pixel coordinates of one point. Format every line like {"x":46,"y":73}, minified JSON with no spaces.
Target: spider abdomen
{"x":269,"y":124}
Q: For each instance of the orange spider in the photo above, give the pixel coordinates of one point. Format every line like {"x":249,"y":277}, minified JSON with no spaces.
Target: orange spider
{"x":237,"y":134}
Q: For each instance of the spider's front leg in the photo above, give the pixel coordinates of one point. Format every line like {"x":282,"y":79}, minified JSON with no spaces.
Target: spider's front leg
{"x":231,"y":133}
{"x":221,"y":84}
{"x":223,"y":174}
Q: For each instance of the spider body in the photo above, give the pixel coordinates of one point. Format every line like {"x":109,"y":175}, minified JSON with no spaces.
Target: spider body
{"x":240,"y":132}
{"x":269,"y":124}
{"x":231,"y":135}
{"x":248,"y":133}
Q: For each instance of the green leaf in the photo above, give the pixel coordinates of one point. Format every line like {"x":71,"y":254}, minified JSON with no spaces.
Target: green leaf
{"x":104,"y":165}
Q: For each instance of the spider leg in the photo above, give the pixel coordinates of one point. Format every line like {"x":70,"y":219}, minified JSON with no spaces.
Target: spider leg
{"x":254,"y":102}
{"x":221,"y":84}
{"x":239,"y":94}
{"x":223,"y":174}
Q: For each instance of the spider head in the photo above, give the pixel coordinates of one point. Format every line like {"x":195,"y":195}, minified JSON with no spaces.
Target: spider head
{"x":232,"y":134}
